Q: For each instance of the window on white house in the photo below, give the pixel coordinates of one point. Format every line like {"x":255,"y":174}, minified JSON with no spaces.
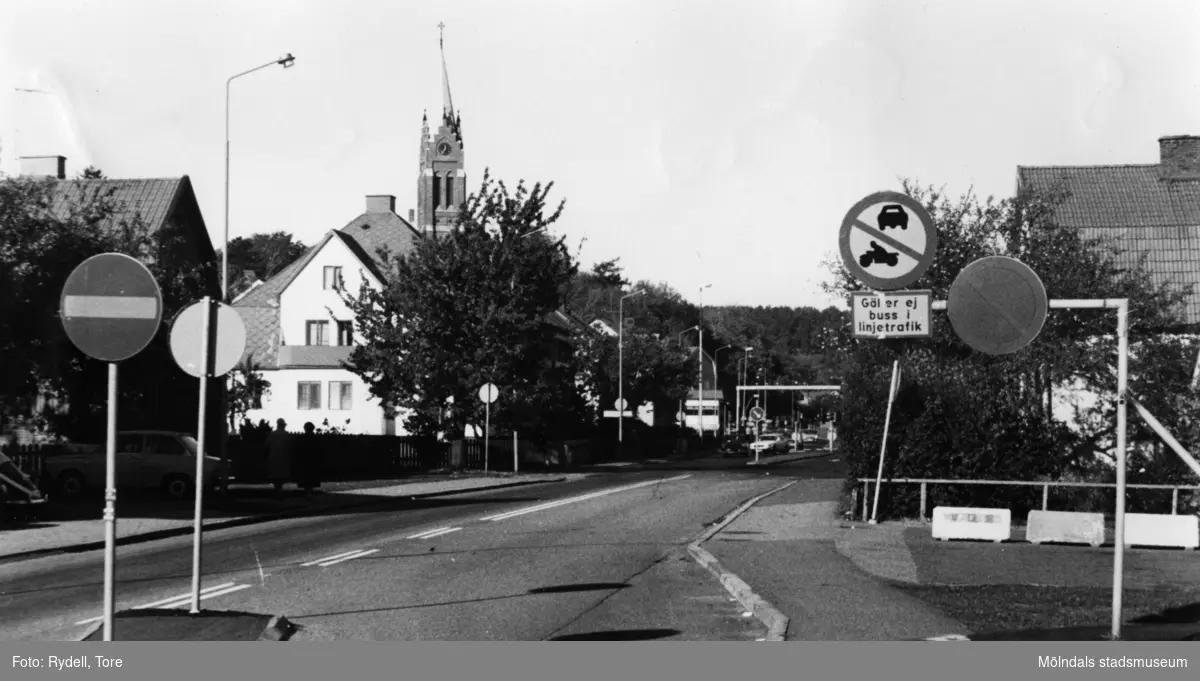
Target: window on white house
{"x":308,"y":395}
{"x":317,"y":332}
{"x":333,"y":278}
{"x":345,"y":333}
{"x":339,"y":395}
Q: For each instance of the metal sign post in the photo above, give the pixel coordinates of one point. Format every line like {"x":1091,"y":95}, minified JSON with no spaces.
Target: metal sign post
{"x":516,"y":463}
{"x":111,"y":308}
{"x":222,"y":337}
{"x":488,"y":393}
{"x":887,"y":422}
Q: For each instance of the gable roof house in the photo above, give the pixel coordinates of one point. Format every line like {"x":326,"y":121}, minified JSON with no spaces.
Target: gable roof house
{"x":169,"y":210}
{"x":1150,"y":210}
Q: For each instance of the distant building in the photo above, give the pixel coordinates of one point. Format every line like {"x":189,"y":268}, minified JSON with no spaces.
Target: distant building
{"x":712,"y":401}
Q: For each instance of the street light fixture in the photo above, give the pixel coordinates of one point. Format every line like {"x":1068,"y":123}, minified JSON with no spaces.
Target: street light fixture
{"x":621,"y":367}
{"x":286,"y":62}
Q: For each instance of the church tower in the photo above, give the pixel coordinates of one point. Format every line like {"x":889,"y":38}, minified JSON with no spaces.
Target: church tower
{"x":442,"y":184}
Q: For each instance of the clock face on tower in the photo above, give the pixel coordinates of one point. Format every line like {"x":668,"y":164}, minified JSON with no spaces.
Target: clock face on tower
{"x":444,"y":148}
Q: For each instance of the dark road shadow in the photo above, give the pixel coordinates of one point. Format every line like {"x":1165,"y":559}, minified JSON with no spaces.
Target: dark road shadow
{"x":571,"y":588}
{"x":621,"y":635}
{"x":1184,"y":614}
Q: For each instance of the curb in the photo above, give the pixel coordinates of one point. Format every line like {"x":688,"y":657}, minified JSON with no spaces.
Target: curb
{"x":775,"y":621}
{"x":803,"y":458}
{"x":96,"y":626}
{"x":278,"y":629}
{"x":241,"y":522}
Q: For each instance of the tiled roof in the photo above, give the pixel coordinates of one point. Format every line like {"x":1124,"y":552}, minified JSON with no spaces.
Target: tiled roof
{"x":374,"y":230}
{"x":262,"y":335}
{"x":1136,"y":209}
{"x":150,"y":198}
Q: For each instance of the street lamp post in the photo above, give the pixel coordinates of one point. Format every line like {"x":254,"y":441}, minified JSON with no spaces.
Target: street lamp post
{"x":287,"y":62}
{"x":744,"y":377}
{"x":683,"y":416}
{"x":716,"y":354}
{"x":621,"y":367}
{"x":700,"y":368}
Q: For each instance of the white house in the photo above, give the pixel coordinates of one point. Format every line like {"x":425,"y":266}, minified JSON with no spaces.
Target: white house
{"x":299,"y":330}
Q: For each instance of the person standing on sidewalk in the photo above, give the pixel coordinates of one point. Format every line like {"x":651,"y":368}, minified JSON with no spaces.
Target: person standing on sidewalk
{"x":309,"y":460}
{"x":279,"y":456}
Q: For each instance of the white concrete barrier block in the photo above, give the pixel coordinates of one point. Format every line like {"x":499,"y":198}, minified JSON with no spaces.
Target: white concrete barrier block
{"x":1152,"y":529}
{"x":1065,"y":527}
{"x":988,"y":524}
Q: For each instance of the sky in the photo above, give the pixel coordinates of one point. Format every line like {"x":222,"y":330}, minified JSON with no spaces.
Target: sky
{"x":701,"y":142}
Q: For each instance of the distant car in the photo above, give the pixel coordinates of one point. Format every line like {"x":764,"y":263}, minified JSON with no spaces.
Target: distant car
{"x":893,"y":216}
{"x":146,"y":459}
{"x":809,"y":435}
{"x":771,"y":442}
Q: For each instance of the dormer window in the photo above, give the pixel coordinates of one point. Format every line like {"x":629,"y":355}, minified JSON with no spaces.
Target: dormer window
{"x":333,"y":278}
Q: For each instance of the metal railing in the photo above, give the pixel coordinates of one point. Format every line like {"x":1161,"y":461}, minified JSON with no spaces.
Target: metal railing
{"x":1045,"y":485}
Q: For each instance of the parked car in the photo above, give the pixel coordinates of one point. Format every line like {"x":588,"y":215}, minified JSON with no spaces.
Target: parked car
{"x":771,"y":442}
{"x":146,"y":459}
{"x":809,"y":435}
{"x":736,"y":445}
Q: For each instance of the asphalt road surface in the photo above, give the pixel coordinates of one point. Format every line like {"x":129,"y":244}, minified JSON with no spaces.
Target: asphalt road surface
{"x":597,"y":559}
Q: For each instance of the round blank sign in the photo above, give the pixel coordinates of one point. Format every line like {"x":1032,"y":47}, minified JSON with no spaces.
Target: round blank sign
{"x":997,"y":305}
{"x":488,"y":393}
{"x":187,"y":339}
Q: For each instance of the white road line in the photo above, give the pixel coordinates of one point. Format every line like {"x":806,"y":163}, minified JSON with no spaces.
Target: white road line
{"x":322,"y":560}
{"x":440,"y":533}
{"x":429,"y":533}
{"x":175,"y":601}
{"x":360,"y":554}
{"x":585,"y":497}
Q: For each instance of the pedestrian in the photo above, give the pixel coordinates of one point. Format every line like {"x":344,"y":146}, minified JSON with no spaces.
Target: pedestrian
{"x":279,"y":456}
{"x":309,"y":458}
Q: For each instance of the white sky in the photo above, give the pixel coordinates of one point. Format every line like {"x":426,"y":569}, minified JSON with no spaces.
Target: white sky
{"x":699,"y":141}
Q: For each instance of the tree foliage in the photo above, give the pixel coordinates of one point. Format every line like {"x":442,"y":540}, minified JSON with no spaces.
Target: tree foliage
{"x":39,"y":248}
{"x":963,"y":414}
{"x":247,"y":388}
{"x":263,"y":254}
{"x":470,"y":307}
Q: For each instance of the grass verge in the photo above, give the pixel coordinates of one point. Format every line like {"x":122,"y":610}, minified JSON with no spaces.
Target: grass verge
{"x":1003,"y":607}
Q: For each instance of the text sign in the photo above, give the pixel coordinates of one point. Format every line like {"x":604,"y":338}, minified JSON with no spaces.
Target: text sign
{"x":887,"y":241}
{"x":111,"y":307}
{"x":895,"y":314}
{"x":612,"y":414}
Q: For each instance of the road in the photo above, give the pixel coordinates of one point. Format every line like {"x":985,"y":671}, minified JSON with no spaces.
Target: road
{"x":601,"y":558}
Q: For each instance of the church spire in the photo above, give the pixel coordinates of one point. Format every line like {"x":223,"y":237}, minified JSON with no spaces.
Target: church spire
{"x":447,"y":102}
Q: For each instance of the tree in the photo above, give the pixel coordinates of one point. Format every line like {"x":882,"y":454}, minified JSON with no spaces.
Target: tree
{"x":246,"y":390}
{"x":469,"y":308}
{"x":91,"y":173}
{"x":1000,"y":407}
{"x":263,"y":254}
{"x":656,"y":371}
{"x":39,"y":248}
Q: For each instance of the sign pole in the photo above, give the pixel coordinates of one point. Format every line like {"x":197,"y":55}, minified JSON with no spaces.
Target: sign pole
{"x":887,"y":422}
{"x":487,"y":431}
{"x":206,"y":361}
{"x":110,"y":502}
{"x":515,"y":462}
{"x":1119,"y":534}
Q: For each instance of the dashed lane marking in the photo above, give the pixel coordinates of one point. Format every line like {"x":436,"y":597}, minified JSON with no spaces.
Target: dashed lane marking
{"x":184,"y":599}
{"x":585,"y":497}
{"x":322,"y":560}
{"x":334,"y":560}
{"x":435,"y":532}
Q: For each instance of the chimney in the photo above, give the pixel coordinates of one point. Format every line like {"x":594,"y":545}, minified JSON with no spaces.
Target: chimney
{"x":48,"y":166}
{"x":381,"y":203}
{"x":412,"y":216}
{"x":1180,"y":157}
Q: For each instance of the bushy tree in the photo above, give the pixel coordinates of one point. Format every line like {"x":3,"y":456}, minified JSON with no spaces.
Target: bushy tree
{"x":655,"y":372}
{"x":472,"y":307}
{"x":246,"y":390}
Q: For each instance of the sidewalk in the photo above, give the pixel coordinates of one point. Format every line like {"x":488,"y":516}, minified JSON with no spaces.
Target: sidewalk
{"x":785,"y":549}
{"x":145,"y":521}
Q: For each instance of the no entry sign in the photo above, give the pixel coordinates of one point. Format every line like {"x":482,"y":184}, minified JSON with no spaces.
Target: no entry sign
{"x":887,"y":241}
{"x":111,"y":307}
{"x":997,"y":305}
